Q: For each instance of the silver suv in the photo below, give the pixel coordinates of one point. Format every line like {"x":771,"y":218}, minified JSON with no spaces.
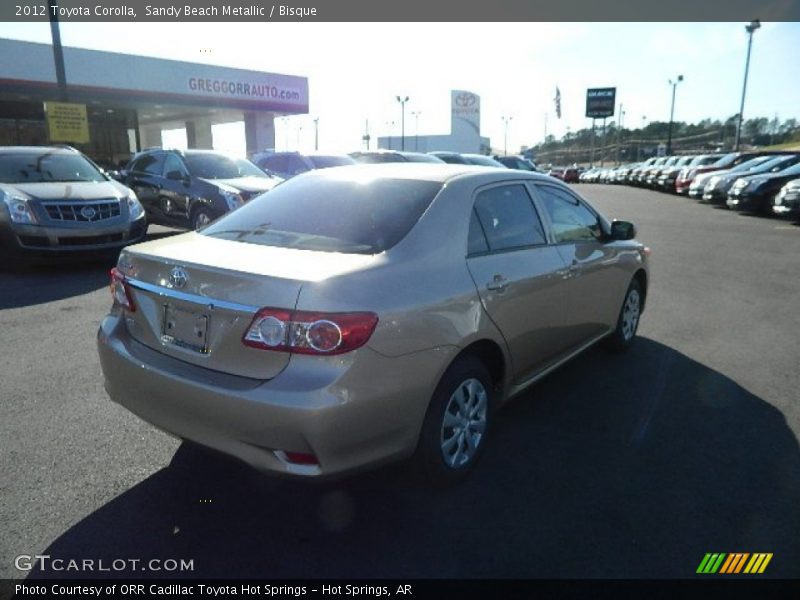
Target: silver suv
{"x":54,"y":200}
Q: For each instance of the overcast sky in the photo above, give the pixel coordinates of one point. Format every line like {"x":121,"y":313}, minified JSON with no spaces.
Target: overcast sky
{"x":356,"y":70}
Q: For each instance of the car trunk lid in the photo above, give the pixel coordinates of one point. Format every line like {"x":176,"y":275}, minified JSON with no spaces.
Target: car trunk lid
{"x":195,"y":296}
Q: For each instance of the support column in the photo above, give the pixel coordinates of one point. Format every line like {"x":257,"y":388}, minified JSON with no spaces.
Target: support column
{"x":259,"y":131}
{"x":150,"y":136}
{"x":198,"y":134}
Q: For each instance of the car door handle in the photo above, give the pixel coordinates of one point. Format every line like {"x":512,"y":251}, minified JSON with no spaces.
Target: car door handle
{"x":497,"y":284}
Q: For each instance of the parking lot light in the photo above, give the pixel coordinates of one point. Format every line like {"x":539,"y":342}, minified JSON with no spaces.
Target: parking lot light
{"x":402,"y":102}
{"x":751,"y":28}
{"x":674,"y":85}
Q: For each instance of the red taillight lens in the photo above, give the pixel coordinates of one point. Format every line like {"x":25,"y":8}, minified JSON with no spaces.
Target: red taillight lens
{"x":119,"y":290}
{"x":304,"y":332}
{"x":300,"y":458}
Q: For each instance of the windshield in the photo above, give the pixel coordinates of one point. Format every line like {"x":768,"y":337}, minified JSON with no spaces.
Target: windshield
{"x":47,"y":166}
{"x":324,"y":162}
{"x":248,"y":169}
{"x":212,"y":166}
{"x":484,"y":161}
{"x":753,"y":162}
{"x":330,"y":215}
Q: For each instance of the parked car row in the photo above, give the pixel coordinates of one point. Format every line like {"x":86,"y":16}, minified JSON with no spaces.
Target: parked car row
{"x":761,"y":182}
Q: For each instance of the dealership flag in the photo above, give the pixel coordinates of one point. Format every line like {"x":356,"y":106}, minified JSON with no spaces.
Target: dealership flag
{"x":558,"y":102}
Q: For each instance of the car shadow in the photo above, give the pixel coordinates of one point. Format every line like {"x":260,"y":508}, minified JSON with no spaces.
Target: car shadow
{"x":630,"y":465}
{"x":56,"y":278}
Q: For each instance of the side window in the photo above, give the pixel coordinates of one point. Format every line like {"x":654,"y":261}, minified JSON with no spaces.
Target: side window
{"x":152,"y":164}
{"x":572,"y":221}
{"x":476,"y":243}
{"x":173,"y":163}
{"x":509,"y":218}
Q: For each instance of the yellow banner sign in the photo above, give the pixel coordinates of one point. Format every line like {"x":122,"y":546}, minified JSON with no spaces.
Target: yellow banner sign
{"x":67,"y":122}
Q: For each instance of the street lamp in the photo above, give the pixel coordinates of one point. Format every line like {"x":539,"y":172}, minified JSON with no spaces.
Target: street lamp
{"x":751,"y":28}
{"x":505,"y":135}
{"x":402,"y":102}
{"x":674,"y":85}
{"x":416,"y":114}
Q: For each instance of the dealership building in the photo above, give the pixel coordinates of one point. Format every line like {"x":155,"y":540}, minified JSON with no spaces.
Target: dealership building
{"x":465,"y":130}
{"x":115,"y":104}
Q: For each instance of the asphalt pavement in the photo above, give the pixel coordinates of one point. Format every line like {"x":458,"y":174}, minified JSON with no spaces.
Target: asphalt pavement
{"x":616,"y":465}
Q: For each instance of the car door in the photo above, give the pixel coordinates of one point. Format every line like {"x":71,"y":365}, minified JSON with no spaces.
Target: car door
{"x":144,"y":179}
{"x":518,"y":274}
{"x":595,"y":277}
{"x":174,"y":201}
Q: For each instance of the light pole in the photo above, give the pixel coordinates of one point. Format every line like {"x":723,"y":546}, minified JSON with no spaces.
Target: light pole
{"x":751,"y":28}
{"x":316,"y":133}
{"x":619,"y":131}
{"x":416,"y":114}
{"x":674,"y":85}
{"x":402,"y":102}
{"x":506,"y":120}
{"x":641,"y":137}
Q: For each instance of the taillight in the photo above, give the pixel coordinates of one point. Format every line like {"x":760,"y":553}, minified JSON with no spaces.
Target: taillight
{"x":305,"y":332}
{"x":119,"y":290}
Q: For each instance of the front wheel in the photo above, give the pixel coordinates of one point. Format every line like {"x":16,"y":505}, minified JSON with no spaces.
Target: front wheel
{"x":628,"y":320}
{"x":453,"y":434}
{"x":201,"y":217}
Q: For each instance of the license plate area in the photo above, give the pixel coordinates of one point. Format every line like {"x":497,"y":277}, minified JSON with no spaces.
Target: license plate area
{"x":185,"y":328}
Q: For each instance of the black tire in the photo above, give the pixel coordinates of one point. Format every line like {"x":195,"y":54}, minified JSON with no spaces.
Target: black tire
{"x":199,"y":215}
{"x":625,"y":333}
{"x":439,"y":466}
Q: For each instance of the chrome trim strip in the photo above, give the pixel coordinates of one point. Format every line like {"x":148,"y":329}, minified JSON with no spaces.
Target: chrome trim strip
{"x":547,"y":370}
{"x":211,"y":303}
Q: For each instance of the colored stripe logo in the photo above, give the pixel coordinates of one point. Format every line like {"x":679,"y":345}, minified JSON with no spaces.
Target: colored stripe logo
{"x":734,"y":563}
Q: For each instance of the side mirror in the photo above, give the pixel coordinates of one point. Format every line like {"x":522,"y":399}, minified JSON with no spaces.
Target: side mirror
{"x":622,"y":230}
{"x":176,"y":175}
{"x":115,"y":175}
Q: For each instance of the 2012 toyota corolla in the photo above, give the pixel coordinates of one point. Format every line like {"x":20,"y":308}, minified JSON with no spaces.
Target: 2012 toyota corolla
{"x":358,"y":315}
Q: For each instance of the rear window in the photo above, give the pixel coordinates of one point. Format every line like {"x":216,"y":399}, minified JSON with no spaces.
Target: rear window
{"x":331,"y":215}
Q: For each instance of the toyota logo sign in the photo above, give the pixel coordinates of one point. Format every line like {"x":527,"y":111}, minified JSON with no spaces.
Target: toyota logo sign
{"x":88,"y":213}
{"x":466,"y":100}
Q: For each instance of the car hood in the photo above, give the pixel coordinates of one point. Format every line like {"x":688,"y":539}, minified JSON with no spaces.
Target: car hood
{"x":246,"y":184}
{"x":72,"y":190}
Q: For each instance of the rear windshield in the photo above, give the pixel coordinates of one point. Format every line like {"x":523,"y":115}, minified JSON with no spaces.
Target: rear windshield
{"x":330,"y":215}
{"x":324,"y":162}
{"x":46,"y":166}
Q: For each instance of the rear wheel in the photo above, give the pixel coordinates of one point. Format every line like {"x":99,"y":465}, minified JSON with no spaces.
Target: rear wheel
{"x":628,"y":321}
{"x":454,"y":431}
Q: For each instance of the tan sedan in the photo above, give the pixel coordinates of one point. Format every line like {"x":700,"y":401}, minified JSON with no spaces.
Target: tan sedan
{"x":363,"y":314}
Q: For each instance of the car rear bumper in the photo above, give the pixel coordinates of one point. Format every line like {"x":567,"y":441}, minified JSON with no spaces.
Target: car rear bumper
{"x":350,"y":411}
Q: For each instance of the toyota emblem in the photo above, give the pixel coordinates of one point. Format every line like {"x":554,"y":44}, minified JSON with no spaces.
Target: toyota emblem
{"x":88,"y":213}
{"x":466,"y":100}
{"x":178,"y":277}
